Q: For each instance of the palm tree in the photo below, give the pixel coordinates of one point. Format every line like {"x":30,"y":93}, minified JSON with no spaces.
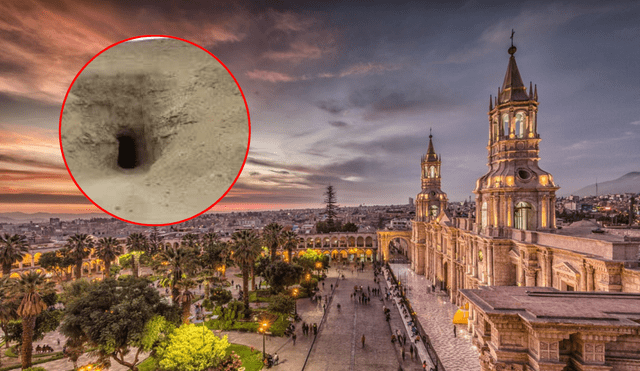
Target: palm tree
{"x":30,"y":288}
{"x":272,"y":236}
{"x":191,"y":241}
{"x":175,"y":265}
{"x":136,"y":242}
{"x":12,"y":249}
{"x":108,"y":250}
{"x":185,"y":298}
{"x":7,"y":307}
{"x":290,"y":241}
{"x":210,"y":238}
{"x":155,"y":242}
{"x":246,"y":247}
{"x":79,"y":246}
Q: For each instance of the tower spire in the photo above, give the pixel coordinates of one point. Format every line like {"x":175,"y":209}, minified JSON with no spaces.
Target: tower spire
{"x":431,"y":153}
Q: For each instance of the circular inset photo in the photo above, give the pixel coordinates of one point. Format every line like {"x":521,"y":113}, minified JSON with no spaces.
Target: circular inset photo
{"x":154,"y":130}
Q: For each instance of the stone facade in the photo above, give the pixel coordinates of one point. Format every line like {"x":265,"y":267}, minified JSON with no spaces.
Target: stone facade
{"x":518,"y":328}
{"x":513,"y":241}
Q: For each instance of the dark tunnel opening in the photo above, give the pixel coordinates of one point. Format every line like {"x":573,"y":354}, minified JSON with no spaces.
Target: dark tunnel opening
{"x":128,"y":152}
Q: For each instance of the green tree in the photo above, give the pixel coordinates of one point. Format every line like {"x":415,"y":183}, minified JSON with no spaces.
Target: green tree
{"x":189,"y":348}
{"x":279,"y":275}
{"x":176,"y":265}
{"x":191,"y":240}
{"x":282,"y":303}
{"x":349,"y":227}
{"x":79,"y":246}
{"x":30,"y":288}
{"x":272,"y":236}
{"x":12,"y":249}
{"x":155,"y":242}
{"x":108,"y":250}
{"x":57,"y":262}
{"x":46,"y":321}
{"x":115,"y":316}
{"x":246,"y":247}
{"x":310,"y":258}
{"x":290,"y":242}
{"x":331,"y":207}
{"x":8,"y":306}
{"x":136,"y":242}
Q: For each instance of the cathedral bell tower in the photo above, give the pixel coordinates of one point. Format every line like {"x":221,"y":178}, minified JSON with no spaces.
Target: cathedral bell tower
{"x":431,"y":200}
{"x":515,"y":193}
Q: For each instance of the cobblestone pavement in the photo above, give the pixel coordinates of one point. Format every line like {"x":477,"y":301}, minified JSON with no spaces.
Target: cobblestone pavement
{"x":435,"y":313}
{"x":339,"y":343}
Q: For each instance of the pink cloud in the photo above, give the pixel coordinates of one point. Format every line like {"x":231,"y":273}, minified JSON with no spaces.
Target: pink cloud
{"x":270,"y":76}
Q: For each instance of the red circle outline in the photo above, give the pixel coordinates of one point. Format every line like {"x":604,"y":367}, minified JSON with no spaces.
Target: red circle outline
{"x":245,"y":105}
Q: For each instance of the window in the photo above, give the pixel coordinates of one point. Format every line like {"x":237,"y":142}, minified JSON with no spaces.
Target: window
{"x":433,"y":211}
{"x":496,"y":130}
{"x":523,"y":215}
{"x":432,"y":172}
{"x":520,"y":123}
{"x":484,"y":216}
{"x":505,"y":123}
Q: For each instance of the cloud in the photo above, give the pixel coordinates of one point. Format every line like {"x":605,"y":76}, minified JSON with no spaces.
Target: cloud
{"x":298,"y":51}
{"x":49,"y":43}
{"x":338,"y":124}
{"x":37,"y":198}
{"x":635,"y":123}
{"x":270,"y":76}
{"x":357,"y":69}
{"x":332,"y":106}
{"x":280,"y":171}
{"x":368,"y":68}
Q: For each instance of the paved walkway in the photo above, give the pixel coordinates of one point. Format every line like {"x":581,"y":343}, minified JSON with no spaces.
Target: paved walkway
{"x":422,"y":354}
{"x":435,"y":313}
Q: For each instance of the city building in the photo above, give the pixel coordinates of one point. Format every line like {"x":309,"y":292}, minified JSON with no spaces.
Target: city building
{"x":512,"y":240}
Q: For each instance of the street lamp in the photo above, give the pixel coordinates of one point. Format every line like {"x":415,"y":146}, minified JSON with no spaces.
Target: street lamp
{"x":295,"y":302}
{"x":318,"y":267}
{"x":263,"y":330}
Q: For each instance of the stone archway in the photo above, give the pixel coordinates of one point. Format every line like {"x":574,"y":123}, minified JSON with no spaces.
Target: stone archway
{"x":385,"y":238}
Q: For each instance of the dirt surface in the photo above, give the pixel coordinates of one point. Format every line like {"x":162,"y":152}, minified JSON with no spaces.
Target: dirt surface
{"x":184,"y":115}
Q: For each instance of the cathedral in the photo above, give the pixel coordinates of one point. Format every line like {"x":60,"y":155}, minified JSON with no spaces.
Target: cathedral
{"x":509,"y":258}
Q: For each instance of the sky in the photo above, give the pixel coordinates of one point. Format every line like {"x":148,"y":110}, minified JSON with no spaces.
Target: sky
{"x":342,"y":93}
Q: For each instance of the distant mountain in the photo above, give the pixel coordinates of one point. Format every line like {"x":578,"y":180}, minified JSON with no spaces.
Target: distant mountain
{"x":17,"y":217}
{"x":628,"y":183}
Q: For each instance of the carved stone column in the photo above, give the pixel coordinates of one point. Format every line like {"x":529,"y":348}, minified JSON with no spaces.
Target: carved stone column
{"x":590,"y":278}
{"x":419,"y":258}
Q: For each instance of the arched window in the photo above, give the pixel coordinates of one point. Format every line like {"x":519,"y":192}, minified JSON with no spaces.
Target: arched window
{"x":505,"y":123}
{"x":520,"y":124}
{"x":484,"y":216}
{"x":432,"y":172}
{"x":496,"y":130}
{"x":523,"y":216}
{"x":433,"y":211}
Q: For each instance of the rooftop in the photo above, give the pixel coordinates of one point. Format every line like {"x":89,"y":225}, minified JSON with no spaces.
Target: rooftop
{"x":546,"y":304}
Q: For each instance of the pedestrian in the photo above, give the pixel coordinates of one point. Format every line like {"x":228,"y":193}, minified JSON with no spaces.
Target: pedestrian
{"x":332,"y":286}
{"x":403,"y":353}
{"x":294,"y":337}
{"x":58,"y":341}
{"x":231,"y":282}
{"x":363,"y":340}
{"x":454,"y":331}
{"x":315,"y":329}
{"x":411,"y":351}
{"x":276,"y":359}
{"x":323,"y":285}
{"x":424,"y":365}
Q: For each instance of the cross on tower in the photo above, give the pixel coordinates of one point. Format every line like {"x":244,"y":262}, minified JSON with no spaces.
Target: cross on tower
{"x":512,"y":32}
